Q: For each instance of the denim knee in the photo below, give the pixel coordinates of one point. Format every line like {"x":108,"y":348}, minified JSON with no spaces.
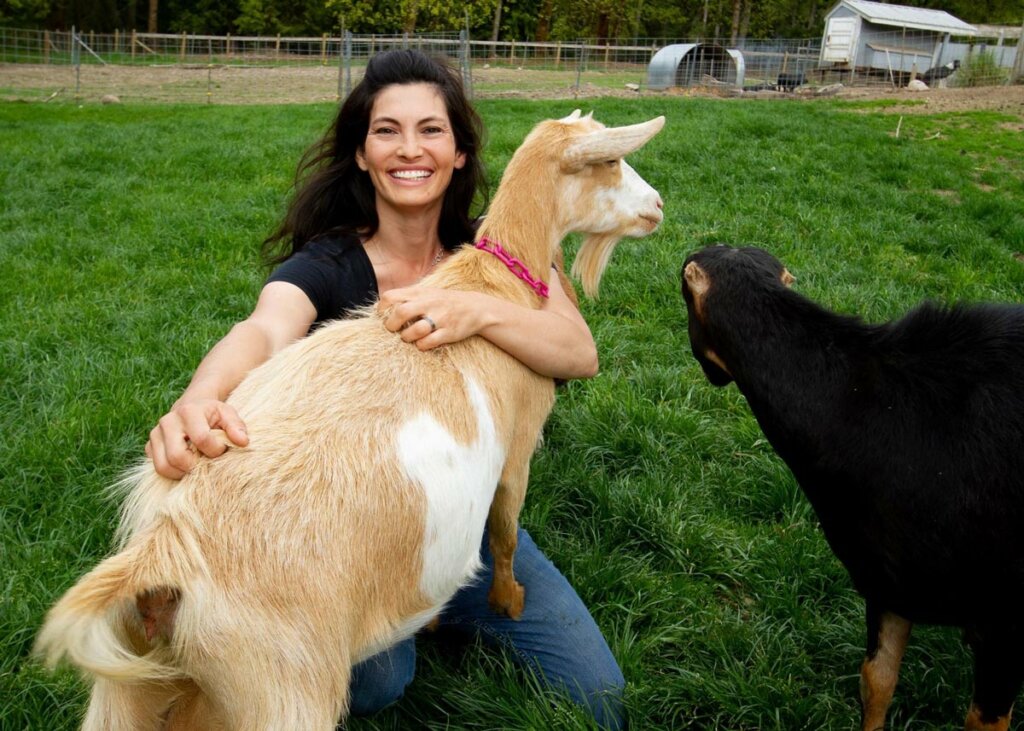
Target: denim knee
{"x":381,"y":680}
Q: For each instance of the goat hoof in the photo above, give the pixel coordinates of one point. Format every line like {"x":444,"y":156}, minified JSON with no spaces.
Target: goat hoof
{"x":508,"y":600}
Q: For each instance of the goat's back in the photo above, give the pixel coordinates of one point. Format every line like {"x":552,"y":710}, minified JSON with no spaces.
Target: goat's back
{"x":359,"y":446}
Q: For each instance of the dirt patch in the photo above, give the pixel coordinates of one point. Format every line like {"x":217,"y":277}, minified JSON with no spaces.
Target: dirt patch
{"x":1007,"y":99}
{"x":228,"y":84}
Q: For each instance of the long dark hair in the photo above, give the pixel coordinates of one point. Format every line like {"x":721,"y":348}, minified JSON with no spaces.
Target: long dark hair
{"x":333,"y":194}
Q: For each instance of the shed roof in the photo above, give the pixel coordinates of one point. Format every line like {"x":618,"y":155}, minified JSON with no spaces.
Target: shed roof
{"x":904,"y":16}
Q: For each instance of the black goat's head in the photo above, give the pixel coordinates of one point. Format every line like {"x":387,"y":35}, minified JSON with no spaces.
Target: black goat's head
{"x":729,"y":279}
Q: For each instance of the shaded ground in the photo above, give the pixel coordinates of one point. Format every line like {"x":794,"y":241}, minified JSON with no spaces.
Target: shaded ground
{"x":220,"y":84}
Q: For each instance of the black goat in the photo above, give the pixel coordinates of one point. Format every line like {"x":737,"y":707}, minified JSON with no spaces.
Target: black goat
{"x":939,"y":72}
{"x":907,"y":438}
{"x":789,"y":82}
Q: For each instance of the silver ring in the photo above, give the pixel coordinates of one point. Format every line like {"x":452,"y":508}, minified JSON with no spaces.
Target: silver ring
{"x":433,"y":325}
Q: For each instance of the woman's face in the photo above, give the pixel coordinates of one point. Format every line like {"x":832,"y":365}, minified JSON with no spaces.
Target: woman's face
{"x":409,"y":150}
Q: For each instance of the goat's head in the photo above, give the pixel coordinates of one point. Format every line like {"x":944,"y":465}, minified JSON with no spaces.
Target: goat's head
{"x":574,"y":165}
{"x":723,"y":282}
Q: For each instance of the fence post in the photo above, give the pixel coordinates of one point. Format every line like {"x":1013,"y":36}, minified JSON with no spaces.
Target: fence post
{"x":323,"y":49}
{"x":227,"y":45}
{"x":558,"y":55}
{"x":1018,"y":60}
{"x":133,"y":44}
{"x":181,"y":48}
{"x":579,"y":68}
{"x":46,"y":46}
{"x":467,"y":77}
{"x":76,"y":59}
{"x":341,"y":61}
{"x":348,"y":62}
{"x":512,"y":54}
{"x":277,"y":48}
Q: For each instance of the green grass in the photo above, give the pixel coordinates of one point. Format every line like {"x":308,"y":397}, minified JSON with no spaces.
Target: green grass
{"x":128,"y":240}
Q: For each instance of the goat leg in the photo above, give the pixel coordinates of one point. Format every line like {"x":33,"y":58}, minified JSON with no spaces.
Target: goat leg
{"x":507,"y":595}
{"x":888,"y":634}
{"x":997,"y":678}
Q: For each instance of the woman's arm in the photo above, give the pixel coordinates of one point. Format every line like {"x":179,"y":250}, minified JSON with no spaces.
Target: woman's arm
{"x":283,"y":313}
{"x":554,"y":340}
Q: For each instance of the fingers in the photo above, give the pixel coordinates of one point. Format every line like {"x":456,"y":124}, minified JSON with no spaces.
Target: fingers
{"x":168,"y":448}
{"x":403,"y":316}
{"x":191,"y":430}
{"x":421,"y":330}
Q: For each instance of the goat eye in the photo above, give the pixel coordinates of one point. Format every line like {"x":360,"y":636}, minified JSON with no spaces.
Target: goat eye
{"x":612,"y":163}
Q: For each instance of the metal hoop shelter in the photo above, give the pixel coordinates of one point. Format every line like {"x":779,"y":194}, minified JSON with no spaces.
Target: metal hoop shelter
{"x":687,"y":64}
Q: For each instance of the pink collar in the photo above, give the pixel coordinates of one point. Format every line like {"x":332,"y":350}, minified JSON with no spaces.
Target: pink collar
{"x":515,"y":266}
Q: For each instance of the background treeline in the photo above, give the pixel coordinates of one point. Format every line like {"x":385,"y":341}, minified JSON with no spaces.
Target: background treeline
{"x":524,"y":20}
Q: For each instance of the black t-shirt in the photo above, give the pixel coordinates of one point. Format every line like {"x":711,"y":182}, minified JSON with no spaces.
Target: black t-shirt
{"x":334,"y":272}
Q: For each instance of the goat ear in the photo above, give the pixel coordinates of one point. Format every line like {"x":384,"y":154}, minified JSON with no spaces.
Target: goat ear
{"x":610,"y":143}
{"x":698,"y":282}
{"x":787,"y":278}
{"x":696,"y":279}
{"x":572,"y":117}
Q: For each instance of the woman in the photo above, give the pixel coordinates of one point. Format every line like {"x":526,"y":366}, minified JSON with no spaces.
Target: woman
{"x":385,"y":196}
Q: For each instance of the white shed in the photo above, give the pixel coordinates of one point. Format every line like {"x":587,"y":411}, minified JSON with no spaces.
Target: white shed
{"x":861,"y":34}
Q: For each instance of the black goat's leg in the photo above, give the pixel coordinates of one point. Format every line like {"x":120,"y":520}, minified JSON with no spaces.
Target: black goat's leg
{"x":998,"y":673}
{"x":888,"y":634}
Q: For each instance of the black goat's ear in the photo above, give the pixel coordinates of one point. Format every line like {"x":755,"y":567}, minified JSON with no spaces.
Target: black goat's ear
{"x":787,"y":278}
{"x":698,"y":282}
{"x":696,"y":279}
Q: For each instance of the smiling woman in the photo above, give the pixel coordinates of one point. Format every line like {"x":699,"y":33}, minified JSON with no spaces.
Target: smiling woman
{"x":381,"y":200}
{"x":410,"y":151}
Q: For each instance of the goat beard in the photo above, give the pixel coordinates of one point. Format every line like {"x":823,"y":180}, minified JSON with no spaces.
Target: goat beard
{"x":591,"y":260}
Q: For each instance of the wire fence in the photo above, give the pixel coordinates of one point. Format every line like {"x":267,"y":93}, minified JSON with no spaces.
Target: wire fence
{"x":129,"y":66}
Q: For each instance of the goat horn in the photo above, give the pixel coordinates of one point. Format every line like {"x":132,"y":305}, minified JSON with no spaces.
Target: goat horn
{"x":572,"y":117}
{"x":609,"y":144}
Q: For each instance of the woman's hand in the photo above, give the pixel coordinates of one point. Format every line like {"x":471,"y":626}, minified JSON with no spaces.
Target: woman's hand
{"x":430,"y":317}
{"x":186,"y":431}
{"x":283,"y":313}
{"x":553,"y":340}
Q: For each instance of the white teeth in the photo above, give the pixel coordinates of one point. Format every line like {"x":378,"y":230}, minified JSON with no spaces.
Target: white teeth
{"x":410,"y":174}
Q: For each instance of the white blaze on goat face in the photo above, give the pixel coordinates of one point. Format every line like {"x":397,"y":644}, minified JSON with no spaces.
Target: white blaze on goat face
{"x":459,"y":483}
{"x":624,"y":203}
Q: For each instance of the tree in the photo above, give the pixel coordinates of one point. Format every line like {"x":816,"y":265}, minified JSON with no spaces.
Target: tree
{"x":257,"y":17}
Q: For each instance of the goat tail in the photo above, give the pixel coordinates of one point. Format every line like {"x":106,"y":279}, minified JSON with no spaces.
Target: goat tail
{"x":97,"y":624}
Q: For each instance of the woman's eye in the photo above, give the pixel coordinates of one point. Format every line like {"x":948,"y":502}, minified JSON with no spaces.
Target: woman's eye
{"x":433,"y":130}
{"x":383,"y":131}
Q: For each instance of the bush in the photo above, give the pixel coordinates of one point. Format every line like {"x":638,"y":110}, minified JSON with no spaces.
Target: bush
{"x":980,"y":69}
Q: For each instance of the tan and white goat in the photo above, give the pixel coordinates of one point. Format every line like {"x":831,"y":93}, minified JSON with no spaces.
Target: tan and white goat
{"x":242,"y":595}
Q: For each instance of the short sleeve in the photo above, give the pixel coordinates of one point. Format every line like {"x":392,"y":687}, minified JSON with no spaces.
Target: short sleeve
{"x":334,"y":273}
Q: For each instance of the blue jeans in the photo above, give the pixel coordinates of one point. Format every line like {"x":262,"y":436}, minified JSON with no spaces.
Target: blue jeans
{"x":556,"y":638}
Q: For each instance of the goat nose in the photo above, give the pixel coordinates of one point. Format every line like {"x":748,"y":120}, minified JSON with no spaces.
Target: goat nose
{"x":659,"y":203}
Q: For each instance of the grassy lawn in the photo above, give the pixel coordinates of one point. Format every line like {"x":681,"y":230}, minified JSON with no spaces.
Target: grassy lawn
{"x":128,"y":240}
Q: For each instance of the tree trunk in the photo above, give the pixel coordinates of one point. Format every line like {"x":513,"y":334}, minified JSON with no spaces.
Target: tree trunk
{"x":745,"y":22}
{"x":602,"y":28}
{"x":544,"y":21}
{"x":497,"y":25}
{"x":736,"y":7}
{"x":151,"y":25}
{"x":411,"y":11}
